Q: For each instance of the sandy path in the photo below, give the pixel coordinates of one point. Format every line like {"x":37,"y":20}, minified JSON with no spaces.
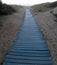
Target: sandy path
{"x":49,"y":28}
{"x":9,"y":31}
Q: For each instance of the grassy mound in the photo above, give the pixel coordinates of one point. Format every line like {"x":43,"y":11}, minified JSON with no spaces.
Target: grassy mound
{"x":6,"y":9}
{"x":43,"y":7}
{"x":40,"y":7}
{"x":54,"y":4}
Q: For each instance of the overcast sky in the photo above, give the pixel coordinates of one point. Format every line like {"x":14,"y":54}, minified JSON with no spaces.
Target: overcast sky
{"x":26,"y":2}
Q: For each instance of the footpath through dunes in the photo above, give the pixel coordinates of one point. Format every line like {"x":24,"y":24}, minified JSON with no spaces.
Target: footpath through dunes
{"x":29,"y":47}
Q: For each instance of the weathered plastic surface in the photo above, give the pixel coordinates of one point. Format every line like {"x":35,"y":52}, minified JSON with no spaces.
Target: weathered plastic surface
{"x":29,"y":47}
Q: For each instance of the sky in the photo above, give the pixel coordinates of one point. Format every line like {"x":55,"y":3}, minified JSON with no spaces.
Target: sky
{"x":26,"y":2}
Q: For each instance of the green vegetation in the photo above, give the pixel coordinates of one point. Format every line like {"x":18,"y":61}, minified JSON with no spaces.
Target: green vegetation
{"x":40,"y":8}
{"x":54,"y":4}
{"x":5,"y":9}
{"x":51,"y":11}
{"x":56,"y":17}
{"x":43,"y":7}
{"x":1,"y":24}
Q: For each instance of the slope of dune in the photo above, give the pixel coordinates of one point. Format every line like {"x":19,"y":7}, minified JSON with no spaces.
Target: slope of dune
{"x":48,"y":24}
{"x":9,"y":30}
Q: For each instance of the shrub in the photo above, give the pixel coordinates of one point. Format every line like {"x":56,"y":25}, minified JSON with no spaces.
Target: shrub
{"x":54,"y":4}
{"x":6,"y":9}
{"x":1,"y":24}
{"x":55,"y":15}
{"x":40,"y":10}
{"x":51,"y":11}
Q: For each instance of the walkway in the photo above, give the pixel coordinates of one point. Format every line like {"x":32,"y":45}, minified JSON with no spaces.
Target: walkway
{"x":29,"y":47}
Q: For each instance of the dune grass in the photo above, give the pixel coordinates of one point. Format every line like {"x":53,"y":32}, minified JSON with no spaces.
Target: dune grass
{"x":5,"y":10}
{"x":53,"y":4}
{"x":40,"y":7}
{"x":55,"y":15}
{"x":43,"y":7}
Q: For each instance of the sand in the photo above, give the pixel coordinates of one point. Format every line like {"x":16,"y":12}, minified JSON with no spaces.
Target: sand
{"x":46,"y":22}
{"x":12,"y":24}
{"x":9,"y":31}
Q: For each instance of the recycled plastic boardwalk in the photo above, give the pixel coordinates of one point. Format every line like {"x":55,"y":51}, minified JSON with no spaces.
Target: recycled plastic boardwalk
{"x":29,"y":47}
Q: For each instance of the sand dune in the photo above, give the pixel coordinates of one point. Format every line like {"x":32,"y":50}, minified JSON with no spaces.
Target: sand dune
{"x":48,"y":25}
{"x":11,"y":26}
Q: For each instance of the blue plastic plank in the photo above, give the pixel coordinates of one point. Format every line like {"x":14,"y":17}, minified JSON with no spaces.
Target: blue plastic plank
{"x":30,"y":55}
{"x":28,"y":61}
